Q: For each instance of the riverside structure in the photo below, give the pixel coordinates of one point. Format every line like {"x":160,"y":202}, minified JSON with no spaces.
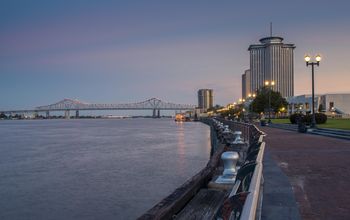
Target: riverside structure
{"x":213,"y":195}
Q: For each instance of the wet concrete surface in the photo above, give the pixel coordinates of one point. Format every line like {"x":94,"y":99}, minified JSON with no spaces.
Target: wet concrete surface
{"x":317,"y":168}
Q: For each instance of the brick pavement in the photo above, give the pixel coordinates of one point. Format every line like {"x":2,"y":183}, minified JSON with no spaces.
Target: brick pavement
{"x":318,"y":169}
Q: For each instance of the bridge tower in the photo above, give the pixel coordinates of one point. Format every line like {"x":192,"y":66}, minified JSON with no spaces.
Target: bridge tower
{"x":67,"y":114}
{"x":156,"y":113}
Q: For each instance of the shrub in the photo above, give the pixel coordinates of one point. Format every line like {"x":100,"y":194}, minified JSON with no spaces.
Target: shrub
{"x":307,"y":119}
{"x":294,"y":117}
{"x":320,"y":118}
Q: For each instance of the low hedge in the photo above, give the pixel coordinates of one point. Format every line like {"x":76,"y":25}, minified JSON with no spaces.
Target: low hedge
{"x":294,"y":117}
{"x":319,"y":117}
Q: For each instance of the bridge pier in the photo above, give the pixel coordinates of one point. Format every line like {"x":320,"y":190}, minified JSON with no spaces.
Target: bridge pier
{"x":67,"y":114}
{"x":47,"y":114}
{"x":156,"y":113}
{"x":77,"y":114}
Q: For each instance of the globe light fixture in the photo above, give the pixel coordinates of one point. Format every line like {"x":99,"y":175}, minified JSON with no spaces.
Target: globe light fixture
{"x":318,"y":58}
{"x":307,"y":58}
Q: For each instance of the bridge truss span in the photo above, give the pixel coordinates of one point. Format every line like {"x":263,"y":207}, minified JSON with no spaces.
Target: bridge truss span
{"x":150,"y":104}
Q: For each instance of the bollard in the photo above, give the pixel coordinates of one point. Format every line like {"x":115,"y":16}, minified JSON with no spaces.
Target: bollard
{"x":229,"y":159}
{"x":226,"y":130}
{"x":238,"y":139}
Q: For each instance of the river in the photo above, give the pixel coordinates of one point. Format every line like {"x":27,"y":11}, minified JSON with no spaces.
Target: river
{"x":95,"y":168}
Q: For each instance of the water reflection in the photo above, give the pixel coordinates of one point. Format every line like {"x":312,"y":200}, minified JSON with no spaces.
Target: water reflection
{"x":181,"y":146}
{"x":111,"y":169}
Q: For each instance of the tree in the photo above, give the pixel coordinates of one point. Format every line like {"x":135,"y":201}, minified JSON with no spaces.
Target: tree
{"x":214,"y":108}
{"x":2,"y":115}
{"x":231,"y":113}
{"x":261,"y":101}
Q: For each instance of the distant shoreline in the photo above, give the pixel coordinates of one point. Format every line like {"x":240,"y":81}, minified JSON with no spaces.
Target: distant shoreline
{"x":84,"y":117}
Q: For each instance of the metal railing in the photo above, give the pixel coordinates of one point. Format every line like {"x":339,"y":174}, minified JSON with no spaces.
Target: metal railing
{"x":253,"y":202}
{"x":251,"y":206}
{"x":249,"y":131}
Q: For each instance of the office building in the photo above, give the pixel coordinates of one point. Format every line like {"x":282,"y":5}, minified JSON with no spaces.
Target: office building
{"x":330,"y":104}
{"x":272,"y":60}
{"x":205,"y":99}
{"x":246,"y":84}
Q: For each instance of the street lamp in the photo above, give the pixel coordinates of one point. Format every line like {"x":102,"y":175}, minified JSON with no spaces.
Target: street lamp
{"x":307,"y":59}
{"x":269,"y":84}
{"x":251,"y":96}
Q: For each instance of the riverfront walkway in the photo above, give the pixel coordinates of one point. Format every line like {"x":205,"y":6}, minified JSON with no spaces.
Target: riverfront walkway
{"x":318,"y":168}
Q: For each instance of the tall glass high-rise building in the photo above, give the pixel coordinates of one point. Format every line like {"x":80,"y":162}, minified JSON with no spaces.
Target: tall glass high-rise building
{"x":205,"y":99}
{"x":272,"y":60}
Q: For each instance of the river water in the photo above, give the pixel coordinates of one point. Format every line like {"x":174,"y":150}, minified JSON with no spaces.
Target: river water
{"x":95,"y":169}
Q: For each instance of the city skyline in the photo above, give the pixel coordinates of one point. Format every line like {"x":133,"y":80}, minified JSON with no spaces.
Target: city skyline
{"x":119,"y":52}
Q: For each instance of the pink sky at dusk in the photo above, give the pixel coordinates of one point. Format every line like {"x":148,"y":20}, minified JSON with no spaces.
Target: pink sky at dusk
{"x":120,"y":52}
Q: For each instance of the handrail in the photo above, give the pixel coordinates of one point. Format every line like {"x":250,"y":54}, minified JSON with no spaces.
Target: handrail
{"x":249,"y":211}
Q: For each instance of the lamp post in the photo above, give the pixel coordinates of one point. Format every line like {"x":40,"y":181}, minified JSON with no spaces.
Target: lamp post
{"x":269,"y":84}
{"x":307,"y":59}
{"x":251,"y":97}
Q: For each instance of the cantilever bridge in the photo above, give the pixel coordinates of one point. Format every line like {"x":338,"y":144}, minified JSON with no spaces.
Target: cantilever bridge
{"x":68,"y":105}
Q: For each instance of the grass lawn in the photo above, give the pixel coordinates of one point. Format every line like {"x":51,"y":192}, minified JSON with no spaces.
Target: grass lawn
{"x":281,"y":121}
{"x":331,"y":123}
{"x":336,"y":123}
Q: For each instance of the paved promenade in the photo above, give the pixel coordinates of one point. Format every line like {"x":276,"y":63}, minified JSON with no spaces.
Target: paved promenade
{"x":318,"y":169}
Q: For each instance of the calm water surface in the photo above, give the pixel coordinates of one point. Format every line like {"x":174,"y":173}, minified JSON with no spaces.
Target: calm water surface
{"x":95,"y":169}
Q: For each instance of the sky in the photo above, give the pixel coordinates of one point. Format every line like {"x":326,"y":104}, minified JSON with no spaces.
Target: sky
{"x":129,"y":51}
